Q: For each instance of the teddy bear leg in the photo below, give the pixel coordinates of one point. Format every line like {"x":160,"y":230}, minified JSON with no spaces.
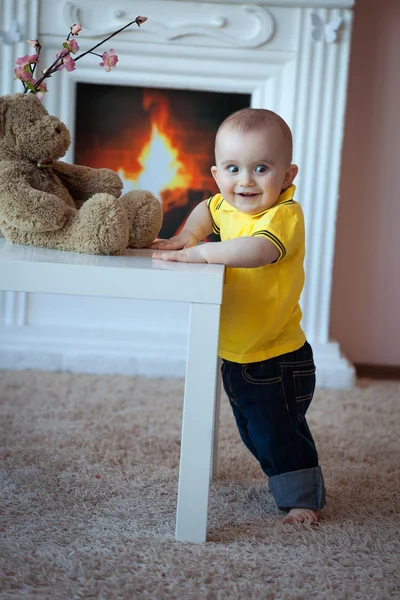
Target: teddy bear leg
{"x":101,"y":226}
{"x":145,"y":217}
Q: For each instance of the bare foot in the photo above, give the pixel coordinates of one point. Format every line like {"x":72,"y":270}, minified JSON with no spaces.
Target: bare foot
{"x":301,"y":515}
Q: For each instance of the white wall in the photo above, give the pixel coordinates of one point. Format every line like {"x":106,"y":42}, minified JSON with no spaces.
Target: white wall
{"x":366,"y":285}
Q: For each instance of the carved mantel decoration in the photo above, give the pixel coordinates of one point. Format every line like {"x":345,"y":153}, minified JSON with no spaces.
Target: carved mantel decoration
{"x":218,"y":23}
{"x":290,"y":56}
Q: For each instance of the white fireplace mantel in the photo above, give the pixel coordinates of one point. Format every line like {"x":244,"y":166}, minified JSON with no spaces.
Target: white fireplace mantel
{"x":265,"y":49}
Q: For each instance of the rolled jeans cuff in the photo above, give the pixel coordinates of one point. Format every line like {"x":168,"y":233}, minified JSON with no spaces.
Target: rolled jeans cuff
{"x":299,"y":489}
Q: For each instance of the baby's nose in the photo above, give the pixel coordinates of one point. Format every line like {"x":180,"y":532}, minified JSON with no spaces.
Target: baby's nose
{"x":246,"y":179}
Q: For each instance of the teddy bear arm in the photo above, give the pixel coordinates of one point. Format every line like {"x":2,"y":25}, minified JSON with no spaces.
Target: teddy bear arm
{"x":28,"y":209}
{"x":84,"y":182}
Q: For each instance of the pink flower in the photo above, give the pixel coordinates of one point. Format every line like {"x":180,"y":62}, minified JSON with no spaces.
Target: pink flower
{"x":75,"y":29}
{"x":42,"y":86}
{"x":22,"y":61}
{"x":67,"y":61}
{"x":39,"y":90}
{"x":61,"y":55}
{"x":71,"y":46}
{"x":140,"y":20}
{"x":110,"y":59}
{"x":34,"y":43}
{"x":23,"y":74}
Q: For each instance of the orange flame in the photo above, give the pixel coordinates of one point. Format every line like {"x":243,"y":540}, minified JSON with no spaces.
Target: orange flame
{"x":161,"y":168}
{"x":167,"y":171}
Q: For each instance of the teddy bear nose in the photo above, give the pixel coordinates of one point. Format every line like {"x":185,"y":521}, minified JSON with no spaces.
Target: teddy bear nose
{"x":58,"y":129}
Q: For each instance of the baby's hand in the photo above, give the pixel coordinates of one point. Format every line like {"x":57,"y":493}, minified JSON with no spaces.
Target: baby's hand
{"x":190,"y":255}
{"x":186,"y":239}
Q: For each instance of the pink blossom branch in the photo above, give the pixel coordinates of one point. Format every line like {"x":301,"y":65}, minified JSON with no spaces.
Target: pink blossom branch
{"x":52,"y":69}
{"x":138,"y":21}
{"x":38,"y":48}
{"x":35,"y":44}
{"x":59,"y":61}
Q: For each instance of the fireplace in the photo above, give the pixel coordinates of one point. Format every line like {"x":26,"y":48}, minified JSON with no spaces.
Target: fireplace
{"x":217,"y":56}
{"x":156,"y":139}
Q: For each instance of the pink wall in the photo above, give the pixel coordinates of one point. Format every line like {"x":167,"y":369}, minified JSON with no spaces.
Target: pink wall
{"x":365,"y":313}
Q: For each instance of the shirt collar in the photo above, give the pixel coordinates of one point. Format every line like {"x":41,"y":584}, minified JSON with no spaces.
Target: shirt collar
{"x":286,"y":195}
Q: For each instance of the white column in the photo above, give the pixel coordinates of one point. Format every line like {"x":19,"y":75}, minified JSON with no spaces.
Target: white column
{"x":13,"y":309}
{"x":26,"y":14}
{"x":13,"y":305}
{"x":318,"y":124}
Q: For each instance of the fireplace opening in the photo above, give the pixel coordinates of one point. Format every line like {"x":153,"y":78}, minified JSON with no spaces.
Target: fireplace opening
{"x":161,"y":140}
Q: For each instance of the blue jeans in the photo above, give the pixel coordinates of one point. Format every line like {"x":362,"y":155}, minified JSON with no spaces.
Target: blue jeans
{"x":269,"y":400}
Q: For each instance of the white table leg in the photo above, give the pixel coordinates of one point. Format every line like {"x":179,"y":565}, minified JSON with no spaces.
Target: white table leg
{"x":218,"y":392}
{"x":198,"y":423}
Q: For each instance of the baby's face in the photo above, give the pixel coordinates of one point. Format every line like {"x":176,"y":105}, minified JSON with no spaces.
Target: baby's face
{"x":252,"y":168}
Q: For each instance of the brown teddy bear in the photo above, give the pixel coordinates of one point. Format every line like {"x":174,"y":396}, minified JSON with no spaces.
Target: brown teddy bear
{"x":50,"y":203}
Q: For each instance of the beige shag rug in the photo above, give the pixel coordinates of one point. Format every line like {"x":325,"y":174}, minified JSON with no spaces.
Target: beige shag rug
{"x":89,"y":469}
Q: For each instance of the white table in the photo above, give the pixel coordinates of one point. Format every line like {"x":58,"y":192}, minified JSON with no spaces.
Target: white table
{"x":136,"y":275}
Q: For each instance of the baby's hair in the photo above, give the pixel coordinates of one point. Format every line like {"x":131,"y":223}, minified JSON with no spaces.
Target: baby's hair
{"x":256,"y":119}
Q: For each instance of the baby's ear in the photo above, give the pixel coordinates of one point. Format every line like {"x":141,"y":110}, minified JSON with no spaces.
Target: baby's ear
{"x":290,"y":176}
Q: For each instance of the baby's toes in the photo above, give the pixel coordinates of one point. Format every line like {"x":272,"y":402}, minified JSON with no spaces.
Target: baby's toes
{"x":300,"y":515}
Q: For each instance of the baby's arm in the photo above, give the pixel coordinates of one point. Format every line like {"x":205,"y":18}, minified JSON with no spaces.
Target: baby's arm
{"x":245,"y":252}
{"x":197,"y":227}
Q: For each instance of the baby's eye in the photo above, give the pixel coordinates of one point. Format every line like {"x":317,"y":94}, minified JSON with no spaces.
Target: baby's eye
{"x":260,"y":169}
{"x":232,"y":169}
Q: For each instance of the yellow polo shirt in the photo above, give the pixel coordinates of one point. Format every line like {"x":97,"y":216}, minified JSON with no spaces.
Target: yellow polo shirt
{"x":260,"y":313}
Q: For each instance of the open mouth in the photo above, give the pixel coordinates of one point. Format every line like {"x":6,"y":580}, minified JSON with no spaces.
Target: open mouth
{"x":248,"y":195}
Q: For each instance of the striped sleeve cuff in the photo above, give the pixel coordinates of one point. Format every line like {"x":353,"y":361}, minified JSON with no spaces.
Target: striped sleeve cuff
{"x":272,"y":238}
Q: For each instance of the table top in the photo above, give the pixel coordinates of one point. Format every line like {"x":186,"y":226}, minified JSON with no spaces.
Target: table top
{"x":134,"y":275}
